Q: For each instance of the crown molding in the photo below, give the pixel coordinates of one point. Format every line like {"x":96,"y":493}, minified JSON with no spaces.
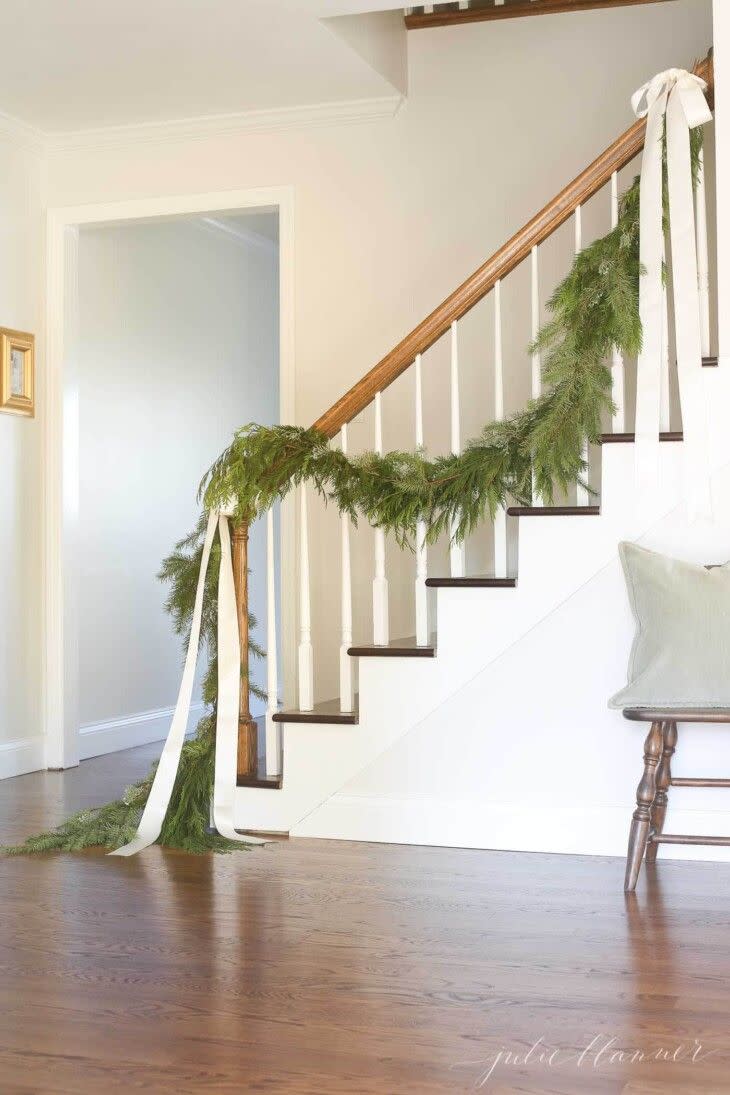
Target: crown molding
{"x":225,"y":125}
{"x":22,"y":134}
{"x":240,"y":234}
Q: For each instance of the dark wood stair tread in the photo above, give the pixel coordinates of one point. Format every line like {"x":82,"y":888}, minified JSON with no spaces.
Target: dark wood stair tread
{"x":326,"y":712}
{"x":270,"y":783}
{"x":397,"y":648}
{"x":554,"y":511}
{"x":710,"y":362}
{"x":473,"y":582}
{"x":627,"y":438}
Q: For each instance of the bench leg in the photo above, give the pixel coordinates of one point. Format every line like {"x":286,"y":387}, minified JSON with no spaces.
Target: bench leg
{"x":663,"y":779}
{"x":644,"y":799}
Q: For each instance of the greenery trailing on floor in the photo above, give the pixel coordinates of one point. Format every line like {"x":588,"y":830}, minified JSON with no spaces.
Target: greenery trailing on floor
{"x":595,"y":308}
{"x":114,"y":824}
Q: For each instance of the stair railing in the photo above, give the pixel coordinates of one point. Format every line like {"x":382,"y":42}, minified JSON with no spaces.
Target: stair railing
{"x":369,"y":390}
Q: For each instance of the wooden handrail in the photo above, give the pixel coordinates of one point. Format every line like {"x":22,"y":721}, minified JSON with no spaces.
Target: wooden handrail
{"x":514,"y":11}
{"x":502,"y":262}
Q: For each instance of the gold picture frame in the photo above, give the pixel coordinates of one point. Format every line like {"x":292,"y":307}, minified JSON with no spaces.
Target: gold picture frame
{"x":17,"y":372}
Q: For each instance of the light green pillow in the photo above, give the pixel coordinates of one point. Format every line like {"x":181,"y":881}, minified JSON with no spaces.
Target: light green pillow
{"x":681,"y":651}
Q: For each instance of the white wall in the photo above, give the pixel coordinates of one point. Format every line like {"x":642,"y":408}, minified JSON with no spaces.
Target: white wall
{"x":178,"y":345}
{"x":20,"y":485}
{"x":391,"y":215}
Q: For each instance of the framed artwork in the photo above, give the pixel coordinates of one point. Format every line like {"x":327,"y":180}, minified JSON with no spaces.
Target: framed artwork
{"x":17,"y":372}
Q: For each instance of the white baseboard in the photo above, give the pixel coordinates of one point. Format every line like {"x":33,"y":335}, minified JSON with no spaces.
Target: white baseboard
{"x":99,"y":738}
{"x":466,"y":823}
{"x":19,"y":757}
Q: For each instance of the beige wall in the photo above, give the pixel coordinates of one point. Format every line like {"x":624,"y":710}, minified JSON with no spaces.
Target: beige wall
{"x":392,"y":215}
{"x":20,"y":486}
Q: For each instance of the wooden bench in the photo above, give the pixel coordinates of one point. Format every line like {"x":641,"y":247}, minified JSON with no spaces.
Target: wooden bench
{"x":647,"y":825}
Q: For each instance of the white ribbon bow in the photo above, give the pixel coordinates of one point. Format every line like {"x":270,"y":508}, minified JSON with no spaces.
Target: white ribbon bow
{"x":676,"y":95}
{"x":229,"y":685}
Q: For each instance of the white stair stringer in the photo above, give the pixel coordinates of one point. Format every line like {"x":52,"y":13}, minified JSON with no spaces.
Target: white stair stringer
{"x":528,"y":756}
{"x":557,"y":555}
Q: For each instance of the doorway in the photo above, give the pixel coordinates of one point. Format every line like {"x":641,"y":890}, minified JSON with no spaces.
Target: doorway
{"x":174,"y":330}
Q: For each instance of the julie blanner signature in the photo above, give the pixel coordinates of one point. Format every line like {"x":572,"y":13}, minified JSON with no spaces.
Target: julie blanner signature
{"x":602,"y":1052}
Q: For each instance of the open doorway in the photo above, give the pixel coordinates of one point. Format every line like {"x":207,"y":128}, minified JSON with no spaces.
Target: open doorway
{"x":171,"y":338}
{"x":177,"y":345}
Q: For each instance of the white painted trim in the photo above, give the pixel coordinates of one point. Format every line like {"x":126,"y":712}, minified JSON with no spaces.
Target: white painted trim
{"x":239,"y":234}
{"x":19,"y":757}
{"x":12,"y":129}
{"x":59,"y":725}
{"x":99,"y":738}
{"x":225,"y":125}
{"x":273,"y":120}
{"x":514,"y":827}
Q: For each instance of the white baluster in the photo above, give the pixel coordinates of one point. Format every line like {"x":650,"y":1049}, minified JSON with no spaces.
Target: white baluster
{"x":535,"y":285}
{"x":428,"y":9}
{"x":347,"y":692}
{"x":422,"y":627}
{"x":273,"y":749}
{"x":703,"y":261}
{"x":380,"y":582}
{"x":500,"y":517}
{"x":536,"y":387}
{"x":456,"y":553}
{"x":664,"y":373}
{"x":578,"y":222}
{"x":581,"y":495}
{"x":617,"y":361}
{"x":306,"y":660}
{"x":463,"y":5}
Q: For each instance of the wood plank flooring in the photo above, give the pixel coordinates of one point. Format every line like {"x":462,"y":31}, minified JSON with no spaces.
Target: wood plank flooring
{"x":322,"y":967}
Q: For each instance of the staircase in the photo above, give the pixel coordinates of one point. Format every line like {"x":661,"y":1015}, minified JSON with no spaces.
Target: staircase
{"x":464,"y":623}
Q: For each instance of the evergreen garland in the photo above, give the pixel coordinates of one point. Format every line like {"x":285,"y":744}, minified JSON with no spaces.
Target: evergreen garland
{"x":595,"y":308}
{"x":188,"y":816}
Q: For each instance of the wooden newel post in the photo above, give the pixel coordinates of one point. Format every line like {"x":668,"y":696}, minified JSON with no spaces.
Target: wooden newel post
{"x":247,"y":729}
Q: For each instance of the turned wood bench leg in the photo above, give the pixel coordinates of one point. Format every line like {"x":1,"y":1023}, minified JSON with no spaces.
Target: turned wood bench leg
{"x":645,"y":793}
{"x":663,"y":780}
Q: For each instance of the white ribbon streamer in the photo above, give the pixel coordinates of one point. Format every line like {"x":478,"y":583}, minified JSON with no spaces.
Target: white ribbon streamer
{"x":677,"y":97}
{"x":229,"y":684}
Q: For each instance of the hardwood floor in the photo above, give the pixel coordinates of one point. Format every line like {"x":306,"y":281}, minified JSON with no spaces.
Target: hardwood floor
{"x":327,"y":967}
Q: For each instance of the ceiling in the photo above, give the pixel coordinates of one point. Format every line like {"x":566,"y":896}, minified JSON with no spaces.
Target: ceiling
{"x":85,"y":64}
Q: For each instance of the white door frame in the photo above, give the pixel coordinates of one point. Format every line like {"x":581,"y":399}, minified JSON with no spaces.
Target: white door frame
{"x":60,"y":707}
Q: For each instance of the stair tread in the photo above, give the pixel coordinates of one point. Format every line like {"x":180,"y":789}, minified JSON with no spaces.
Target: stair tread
{"x":474,"y":581}
{"x":710,"y":362}
{"x":328,"y":711}
{"x":627,"y":438}
{"x":396,"y":648}
{"x":271,"y":783}
{"x":554,"y":511}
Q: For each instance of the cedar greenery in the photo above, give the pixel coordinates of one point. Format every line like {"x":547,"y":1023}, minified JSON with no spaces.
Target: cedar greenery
{"x":184,"y":827}
{"x":595,"y":308}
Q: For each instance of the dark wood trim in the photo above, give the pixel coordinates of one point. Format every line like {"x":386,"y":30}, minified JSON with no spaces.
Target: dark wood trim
{"x":259,"y":778}
{"x":680,"y":714}
{"x":683,"y":781}
{"x":327,"y":712}
{"x":674,"y":838}
{"x":399,"y":648}
{"x":553,"y":511}
{"x":270,"y":783}
{"x":510,"y":255}
{"x":628,"y":438}
{"x":471,"y":583}
{"x":514,"y":11}
{"x":710,"y":362}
